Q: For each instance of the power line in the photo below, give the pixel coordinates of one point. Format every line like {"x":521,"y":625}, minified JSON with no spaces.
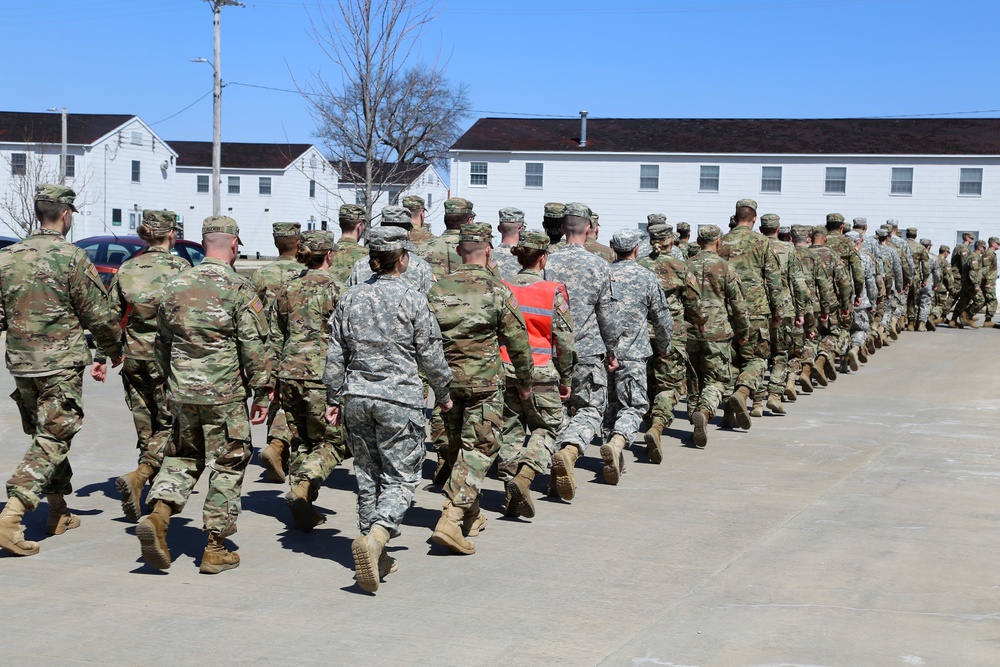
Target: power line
{"x":945,"y":113}
{"x":182,"y":110}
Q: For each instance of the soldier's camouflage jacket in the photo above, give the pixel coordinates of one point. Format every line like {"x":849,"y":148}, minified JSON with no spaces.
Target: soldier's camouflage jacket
{"x":822,"y":298}
{"x":601,"y":250}
{"x":591,"y":300}
{"x":682,"y":294}
{"x":345,"y":255}
{"x":751,"y":255}
{"x":720,"y":296}
{"x":851,"y":260}
{"x":641,"y":300}
{"x":442,"y":255}
{"x":506,"y":263}
{"x":905,"y":256}
{"x":300,"y":324}
{"x":418,"y":273}
{"x":829,"y":262}
{"x":270,"y":277}
{"x":792,"y":281}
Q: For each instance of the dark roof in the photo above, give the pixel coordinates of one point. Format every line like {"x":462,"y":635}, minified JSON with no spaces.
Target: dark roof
{"x":835,"y":136}
{"x":81,"y":128}
{"x":388,"y":173}
{"x":238,"y":155}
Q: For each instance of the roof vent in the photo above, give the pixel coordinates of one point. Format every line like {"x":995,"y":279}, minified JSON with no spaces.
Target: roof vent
{"x":583,"y":129}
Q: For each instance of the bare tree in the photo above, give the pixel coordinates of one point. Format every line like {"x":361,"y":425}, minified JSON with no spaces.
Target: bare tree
{"x":385,"y":109}
{"x":17,"y":202}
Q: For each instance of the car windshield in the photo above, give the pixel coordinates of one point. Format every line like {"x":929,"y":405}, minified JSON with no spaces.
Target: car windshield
{"x":191,"y":253}
{"x":110,"y":252}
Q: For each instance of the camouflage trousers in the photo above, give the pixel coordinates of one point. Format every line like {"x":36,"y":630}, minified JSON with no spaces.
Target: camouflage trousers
{"x":317,"y":447}
{"x":781,"y":347}
{"x":970,"y":301}
{"x":859,"y":327}
{"x":832,"y":338}
{"x":388,"y":444}
{"x":51,"y":409}
{"x":528,"y":434}
{"x":585,"y":407}
{"x":212,"y":436}
{"x":277,"y":423}
{"x":924,"y":299}
{"x":913,"y":300}
{"x":753,"y":355}
{"x":146,"y":398}
{"x":473,"y":424}
{"x":990,"y":299}
{"x":711,"y":361}
{"x":900,"y":308}
{"x":942,"y":303}
{"x":630,"y":400}
{"x":665,"y":379}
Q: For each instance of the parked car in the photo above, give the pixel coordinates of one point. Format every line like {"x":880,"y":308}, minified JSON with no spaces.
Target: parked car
{"x":8,"y":240}
{"x":108,"y":253}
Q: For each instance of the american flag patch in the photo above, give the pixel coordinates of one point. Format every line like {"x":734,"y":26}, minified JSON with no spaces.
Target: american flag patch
{"x":93,"y":269}
{"x":257,"y":305}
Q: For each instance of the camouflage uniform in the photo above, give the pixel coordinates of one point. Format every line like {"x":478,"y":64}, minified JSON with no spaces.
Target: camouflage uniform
{"x":861,"y":323}
{"x":784,"y":331}
{"x":418,"y":273}
{"x":922,"y":287}
{"x":49,"y":293}
{"x":601,"y":250}
{"x":833,"y":334}
{"x":942,"y":293}
{"x":970,"y":299}
{"x":821,"y":299}
{"x":346,"y":254}
{"x":420,"y":233}
{"x":506,"y":262}
{"x":990,"y":281}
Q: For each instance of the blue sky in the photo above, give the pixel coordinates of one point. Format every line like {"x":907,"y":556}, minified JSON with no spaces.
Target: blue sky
{"x":629,"y":58}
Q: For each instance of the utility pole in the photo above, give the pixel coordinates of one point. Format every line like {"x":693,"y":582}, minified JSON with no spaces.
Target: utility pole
{"x":62,"y":163}
{"x":217,"y":6}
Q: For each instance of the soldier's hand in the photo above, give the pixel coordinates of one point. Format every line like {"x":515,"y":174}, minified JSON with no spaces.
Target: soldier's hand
{"x":258,"y":413}
{"x":812,"y":335}
{"x":115,"y":363}
{"x":565,"y":393}
{"x":524,"y":392}
{"x":800,"y":320}
{"x":613,"y":364}
{"x":447,"y":405}
{"x":332,"y":414}
{"x":99,"y":372}
{"x":845,"y":314}
{"x":857,"y":301}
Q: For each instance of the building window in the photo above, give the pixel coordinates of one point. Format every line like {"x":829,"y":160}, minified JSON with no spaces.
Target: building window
{"x":136,"y":171}
{"x":836,"y":180}
{"x":322,"y":225}
{"x":970,"y":182}
{"x":234,"y":185}
{"x":394,"y":196}
{"x":312,"y":162}
{"x":430,"y":201}
{"x":477,"y":173}
{"x":312,"y":189}
{"x":19,"y":164}
{"x":770,"y":179}
{"x":264,"y":186}
{"x":649,"y":177}
{"x":70,"y":166}
{"x":202,"y":184}
{"x":116,"y":217}
{"x":359,"y":197}
{"x":533,"y":174}
{"x":132,"y":217}
{"x":136,"y":138}
{"x":709,"y":179}
{"x":960,"y":233}
{"x":902,"y":181}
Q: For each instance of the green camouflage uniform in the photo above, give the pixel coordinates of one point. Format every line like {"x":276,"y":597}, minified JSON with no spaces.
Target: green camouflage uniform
{"x":990,"y":282}
{"x":345,"y":255}
{"x":821,"y":300}
{"x":421,"y":235}
{"x":944,"y":290}
{"x":970,"y":299}
{"x":49,"y":293}
{"x":601,"y":250}
{"x":135,"y":296}
{"x":784,"y":333}
{"x":918,"y":298}
{"x":475,"y":311}
{"x":833,"y":334}
{"x":212,"y":345}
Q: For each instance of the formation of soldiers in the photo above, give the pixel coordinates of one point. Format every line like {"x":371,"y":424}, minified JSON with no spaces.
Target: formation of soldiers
{"x":530,"y":352}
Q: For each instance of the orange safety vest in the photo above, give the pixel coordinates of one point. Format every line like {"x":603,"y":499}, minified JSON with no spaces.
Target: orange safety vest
{"x":537,"y":303}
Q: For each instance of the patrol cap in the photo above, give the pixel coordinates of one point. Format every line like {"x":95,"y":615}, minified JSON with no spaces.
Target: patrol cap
{"x":555,"y":210}
{"x":749,"y":203}
{"x":594,"y":218}
{"x":279,"y":229}
{"x":770,"y":221}
{"x":626,"y":240}
{"x":968,"y":235}
{"x":853,"y":236}
{"x":882,"y":233}
{"x":457,"y":205}
{"x":784,"y":229}
{"x":943,"y":248}
{"x":834,"y":218}
{"x":892,"y":222}
{"x":800,"y":232}
{"x":318,"y":240}
{"x":925,"y":242}
{"x":578,"y":210}
{"x":220,"y":224}
{"x":396,"y":216}
{"x":819,"y":231}
{"x":511,"y":214}
{"x":413,"y":203}
{"x":386,"y":239}
{"x":476,"y":232}
{"x":159,"y":219}
{"x":658,"y":232}
{"x":683,"y":227}
{"x":911,"y":232}
{"x":709,"y":232}
{"x":980,"y":243}
{"x":656,"y":219}
{"x":860,"y":222}
{"x":57,"y":194}
{"x":352,"y":212}
{"x":993,"y":239}
{"x":536,"y":240}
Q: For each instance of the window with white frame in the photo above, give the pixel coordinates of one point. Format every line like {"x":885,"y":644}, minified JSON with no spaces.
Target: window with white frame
{"x":233,"y":185}
{"x":533,"y":174}
{"x":264,"y":186}
{"x":312,"y":189}
{"x":770,"y":179}
{"x":970,"y":182}
{"x":902,"y":181}
{"x":649,"y":177}
{"x":430,"y":201}
{"x":70,"y":166}
{"x":836,"y":181}
{"x":313,"y":163}
{"x":136,"y":171}
{"x":359,"y":197}
{"x":709,"y":181}
{"x":203,"y":184}
{"x":18,"y":164}
{"x":478,"y":172}
{"x":136,"y":138}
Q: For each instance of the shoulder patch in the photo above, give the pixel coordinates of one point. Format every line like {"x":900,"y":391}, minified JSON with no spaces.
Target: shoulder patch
{"x":257,"y":305}
{"x":93,"y":269}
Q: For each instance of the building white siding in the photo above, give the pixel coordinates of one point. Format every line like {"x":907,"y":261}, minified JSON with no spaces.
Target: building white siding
{"x":429,"y":185}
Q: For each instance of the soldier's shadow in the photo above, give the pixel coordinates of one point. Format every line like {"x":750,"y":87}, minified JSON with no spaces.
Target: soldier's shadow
{"x":106,"y":488}
{"x":185,"y":541}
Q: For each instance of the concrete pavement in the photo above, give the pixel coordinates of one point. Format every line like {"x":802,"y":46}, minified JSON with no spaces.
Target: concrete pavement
{"x":860,"y":529}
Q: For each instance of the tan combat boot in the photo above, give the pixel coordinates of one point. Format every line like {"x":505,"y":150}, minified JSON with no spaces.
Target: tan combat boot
{"x":932,"y":325}
{"x":790,"y":381}
{"x":863,"y":354}
{"x":699,"y":435}
{"x":12,"y":532}
{"x":562,"y":470}
{"x":969,"y":320}
{"x":819,"y":370}
{"x":60,"y":518}
{"x":737,"y":402}
{"x":386,"y":564}
{"x":805,"y":379}
{"x":303,"y":515}
{"x":894,"y":330}
{"x":448,"y":531}
{"x":728,"y":419}
{"x":654,"y":448}
{"x":130,"y":486}
{"x":774,"y":404}
{"x":614,"y":459}
{"x":474,"y":521}
{"x":152,"y":534}
{"x":368,"y":553}
{"x":519,"y":490}
{"x":758,"y":409}
{"x":271,"y":460}
{"x":873,"y":343}
{"x":217,"y":558}
{"x":921,"y":326}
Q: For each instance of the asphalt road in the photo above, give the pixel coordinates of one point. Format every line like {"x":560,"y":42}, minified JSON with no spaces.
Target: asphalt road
{"x":860,"y":529}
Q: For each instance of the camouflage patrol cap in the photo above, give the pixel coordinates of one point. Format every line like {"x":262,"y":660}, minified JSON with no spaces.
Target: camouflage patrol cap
{"x":770,"y":221}
{"x":594,"y":218}
{"x":749,"y":203}
{"x":317,"y":240}
{"x":981,"y":244}
{"x":457,"y":205}
{"x":709,"y":232}
{"x":626,"y":240}
{"x":853,"y":236}
{"x":656,"y":219}
{"x":968,"y":235}
{"x":943,"y":249}
{"x":55,"y":193}
{"x":882,"y":233}
{"x":413,"y":203}
{"x":511,"y":214}
{"x":476,"y":232}
{"x":834,"y":219}
{"x":280,"y":229}
{"x":892,"y":222}
{"x":801,"y":232}
{"x":578,"y":210}
{"x":658,"y":232}
{"x":387,"y":239}
{"x":993,"y":239}
{"x":352,"y":212}
{"x":555,"y":210}
{"x":683,"y":227}
{"x":911,"y":232}
{"x":220,"y":224}
{"x":819,"y":231}
{"x":533,"y":239}
{"x":784,"y":229}
{"x":396,"y":216}
{"x":159,"y":219}
{"x":925,"y":242}
{"x":860,"y":222}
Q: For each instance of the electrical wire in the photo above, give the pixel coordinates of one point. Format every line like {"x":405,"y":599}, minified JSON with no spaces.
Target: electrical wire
{"x":182,"y":110}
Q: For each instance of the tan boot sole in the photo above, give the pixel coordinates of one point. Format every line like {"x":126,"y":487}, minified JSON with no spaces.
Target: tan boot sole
{"x":654,"y":449}
{"x":153,"y":552}
{"x":612,"y":473}
{"x":19,"y":548}
{"x":216,"y":568}
{"x":131,"y":498}
{"x":565,"y":484}
{"x":365,"y":564}
{"x":520,"y":501}
{"x":699,"y":436}
{"x":740,"y":412}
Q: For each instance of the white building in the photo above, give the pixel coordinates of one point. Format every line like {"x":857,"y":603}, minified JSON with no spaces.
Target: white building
{"x":394,"y":183}
{"x":939,"y":175}
{"x":116,"y":163}
{"x":261,"y":184}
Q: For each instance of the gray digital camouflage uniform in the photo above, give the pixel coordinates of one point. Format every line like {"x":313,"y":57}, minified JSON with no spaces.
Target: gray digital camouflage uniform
{"x":418,"y":273}
{"x":506,"y":262}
